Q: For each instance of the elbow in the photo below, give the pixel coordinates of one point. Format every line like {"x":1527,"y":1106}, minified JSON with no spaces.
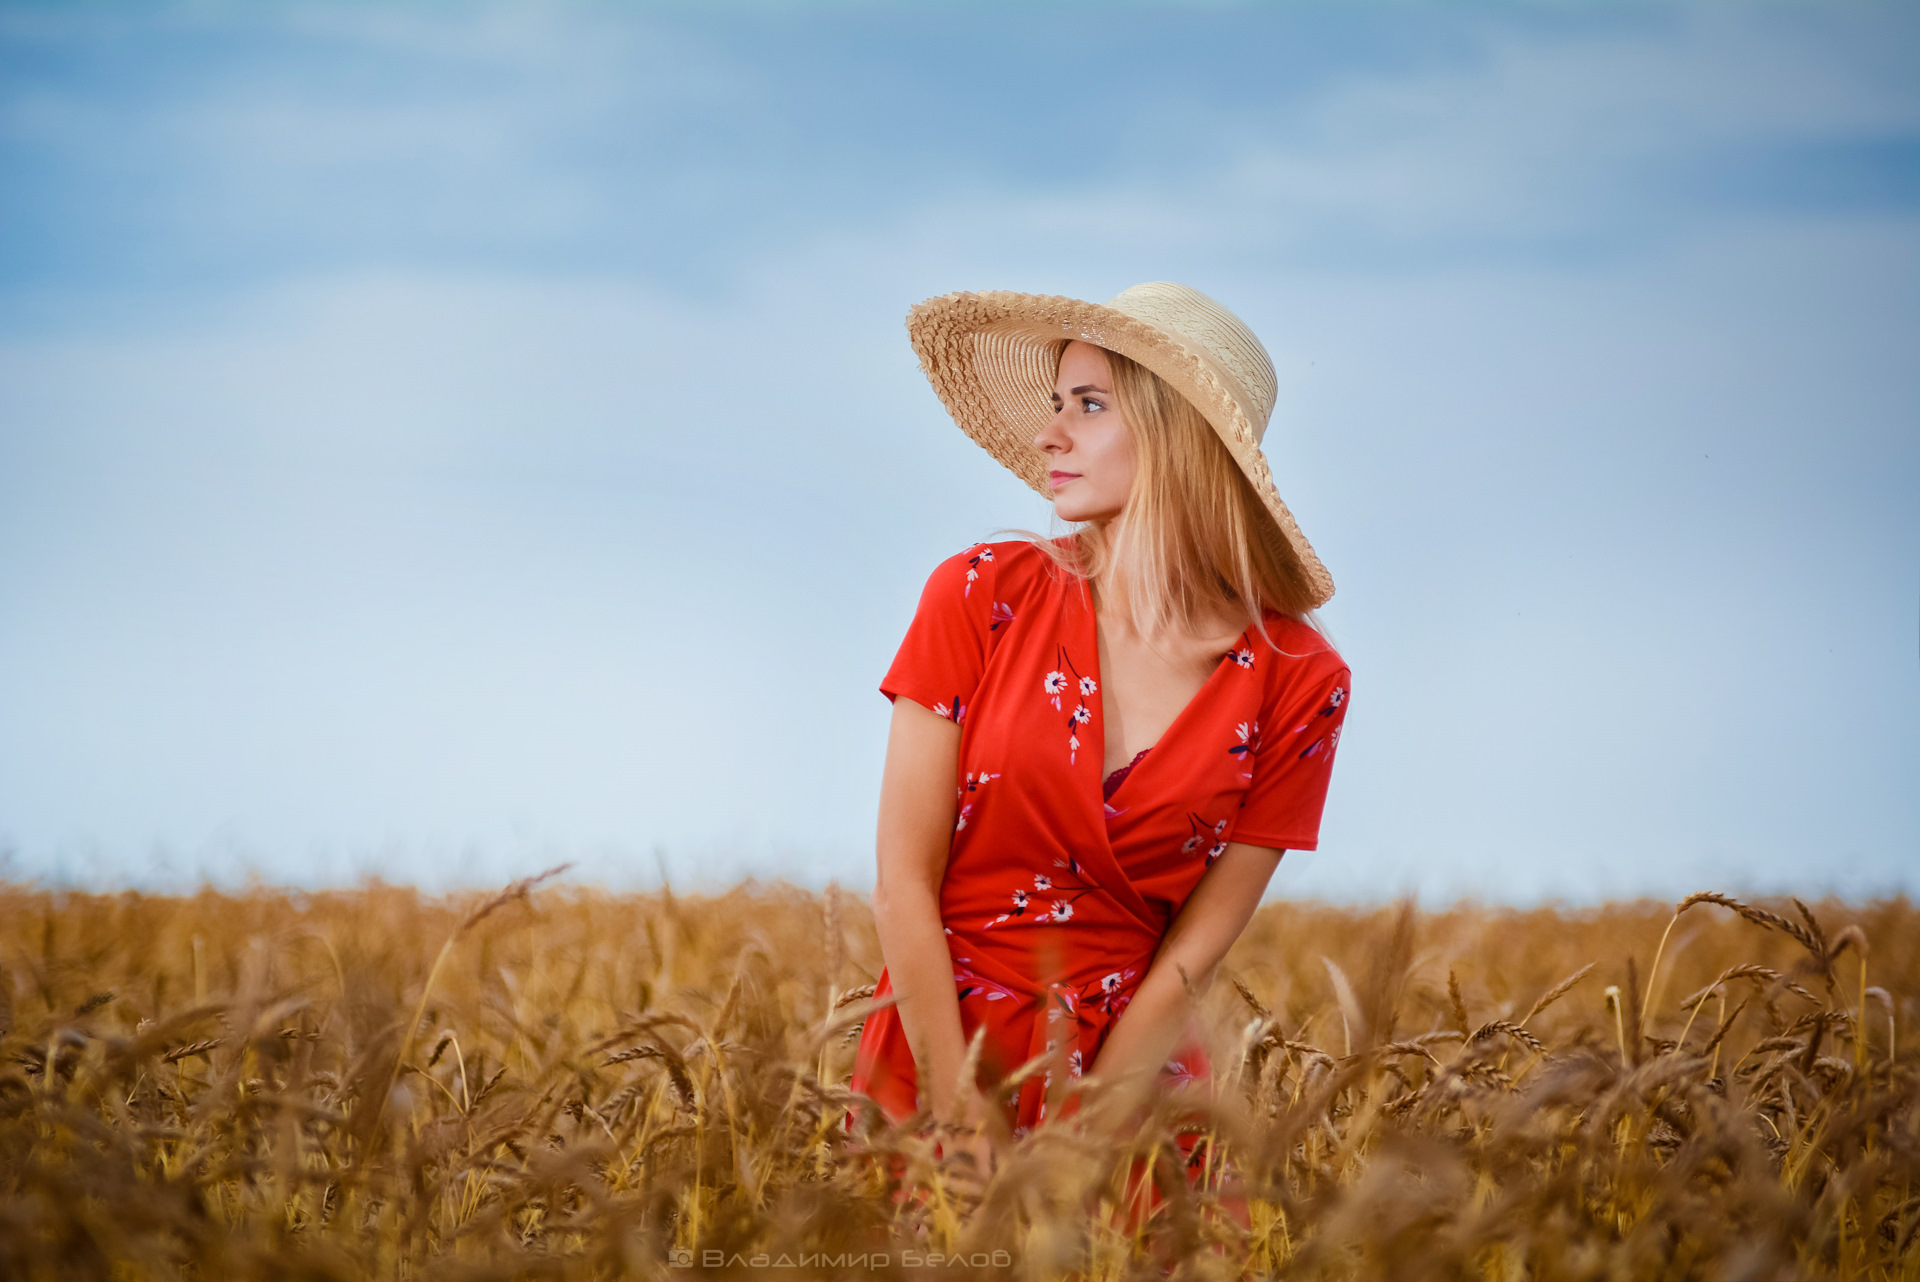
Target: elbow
{"x":905,"y":891}
{"x":887,"y":893}
{"x":1193,"y":970}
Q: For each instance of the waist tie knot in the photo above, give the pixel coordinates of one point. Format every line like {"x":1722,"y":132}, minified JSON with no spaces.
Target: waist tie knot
{"x":1078,"y":1015}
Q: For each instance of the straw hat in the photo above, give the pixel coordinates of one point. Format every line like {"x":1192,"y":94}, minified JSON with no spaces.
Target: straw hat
{"x":991,"y":357}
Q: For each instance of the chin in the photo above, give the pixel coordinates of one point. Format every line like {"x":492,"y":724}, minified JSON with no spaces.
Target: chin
{"x":1081,"y":513}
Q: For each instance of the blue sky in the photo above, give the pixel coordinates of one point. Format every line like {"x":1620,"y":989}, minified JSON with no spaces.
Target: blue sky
{"x":437,"y":440}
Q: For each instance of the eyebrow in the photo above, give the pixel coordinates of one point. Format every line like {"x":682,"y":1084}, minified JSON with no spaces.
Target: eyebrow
{"x":1084,"y":387}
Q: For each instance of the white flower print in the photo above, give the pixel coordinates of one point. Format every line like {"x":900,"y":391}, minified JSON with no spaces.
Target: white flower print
{"x":973,"y":985}
{"x":1243,"y":752}
{"x":973,"y":567}
{"x":975,"y":780}
{"x":1054,"y":683}
{"x":1331,"y":742}
{"x":1072,"y":865}
{"x":1335,"y":699}
{"x":1110,"y":997}
{"x":1019,"y":909}
{"x":1243,"y":656}
{"x":1205,"y":832}
{"x":1080,"y":716}
{"x":1073,"y":1063}
{"x":1088,"y":685}
{"x":1062,"y":910}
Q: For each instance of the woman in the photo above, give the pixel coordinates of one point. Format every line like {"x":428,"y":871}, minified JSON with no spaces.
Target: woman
{"x":1107,"y":740}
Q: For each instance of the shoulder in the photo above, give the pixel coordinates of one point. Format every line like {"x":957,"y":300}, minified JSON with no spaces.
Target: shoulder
{"x":1004,"y":553}
{"x":1300,"y":653}
{"x":1011,"y":560}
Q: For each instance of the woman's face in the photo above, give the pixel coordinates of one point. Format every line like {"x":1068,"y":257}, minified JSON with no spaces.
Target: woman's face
{"x":1088,"y":447}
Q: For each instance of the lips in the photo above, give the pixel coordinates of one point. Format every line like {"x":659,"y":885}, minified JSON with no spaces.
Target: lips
{"x":1059,"y":479}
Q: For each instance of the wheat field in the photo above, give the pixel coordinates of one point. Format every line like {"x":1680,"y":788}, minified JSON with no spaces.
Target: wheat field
{"x":555,"y":1082}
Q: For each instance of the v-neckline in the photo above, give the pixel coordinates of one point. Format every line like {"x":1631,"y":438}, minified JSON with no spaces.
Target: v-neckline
{"x":1152,"y":750}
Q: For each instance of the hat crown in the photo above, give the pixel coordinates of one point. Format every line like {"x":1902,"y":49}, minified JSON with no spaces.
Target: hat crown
{"x":1208,"y":328}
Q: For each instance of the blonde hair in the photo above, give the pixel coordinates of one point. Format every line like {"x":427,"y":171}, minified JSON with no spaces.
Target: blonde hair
{"x":1194,"y":542}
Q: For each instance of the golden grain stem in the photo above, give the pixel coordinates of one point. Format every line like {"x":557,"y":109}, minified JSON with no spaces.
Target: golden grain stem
{"x":820,"y":1060}
{"x":1802,"y":1149}
{"x":474,"y":1188}
{"x":441,"y":1087}
{"x":1693,"y":1015}
{"x":1860,"y":1023}
{"x":466,"y":1092}
{"x":419,"y":1013}
{"x":1612,"y":998}
{"x":699,"y":1162}
{"x":1721,"y":995}
{"x":1653,"y":974}
{"x":1840,"y":1237}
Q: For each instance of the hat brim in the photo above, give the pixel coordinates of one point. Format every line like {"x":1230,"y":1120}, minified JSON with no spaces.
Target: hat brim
{"x":991,"y":358}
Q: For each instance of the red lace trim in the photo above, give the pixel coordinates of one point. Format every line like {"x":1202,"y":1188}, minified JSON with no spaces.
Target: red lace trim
{"x":1114,"y":779}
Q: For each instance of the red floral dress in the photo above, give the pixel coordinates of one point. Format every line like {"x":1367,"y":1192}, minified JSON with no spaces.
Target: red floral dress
{"x":1056,"y":897}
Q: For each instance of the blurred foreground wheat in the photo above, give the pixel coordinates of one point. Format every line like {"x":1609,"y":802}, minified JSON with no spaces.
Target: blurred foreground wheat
{"x":558,"y":1083}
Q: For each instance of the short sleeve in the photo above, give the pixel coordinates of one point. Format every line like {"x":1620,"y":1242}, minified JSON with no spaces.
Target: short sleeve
{"x":1294,"y":760}
{"x":945,"y":650}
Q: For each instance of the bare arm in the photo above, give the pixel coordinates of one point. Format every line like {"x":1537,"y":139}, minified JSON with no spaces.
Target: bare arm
{"x":1212,"y":918}
{"x":917,"y":811}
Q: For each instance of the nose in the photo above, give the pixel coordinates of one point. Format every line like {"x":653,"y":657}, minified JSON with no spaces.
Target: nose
{"x":1051,"y":439}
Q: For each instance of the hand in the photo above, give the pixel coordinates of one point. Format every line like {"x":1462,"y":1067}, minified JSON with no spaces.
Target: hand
{"x":970,"y":1151}
{"x":961,"y":1128}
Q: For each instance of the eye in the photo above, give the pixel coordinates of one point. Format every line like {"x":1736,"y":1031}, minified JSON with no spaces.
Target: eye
{"x":1092,"y":404}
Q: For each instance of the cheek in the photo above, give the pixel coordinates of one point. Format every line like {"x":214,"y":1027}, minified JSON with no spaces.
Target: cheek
{"x":1117,"y":462}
